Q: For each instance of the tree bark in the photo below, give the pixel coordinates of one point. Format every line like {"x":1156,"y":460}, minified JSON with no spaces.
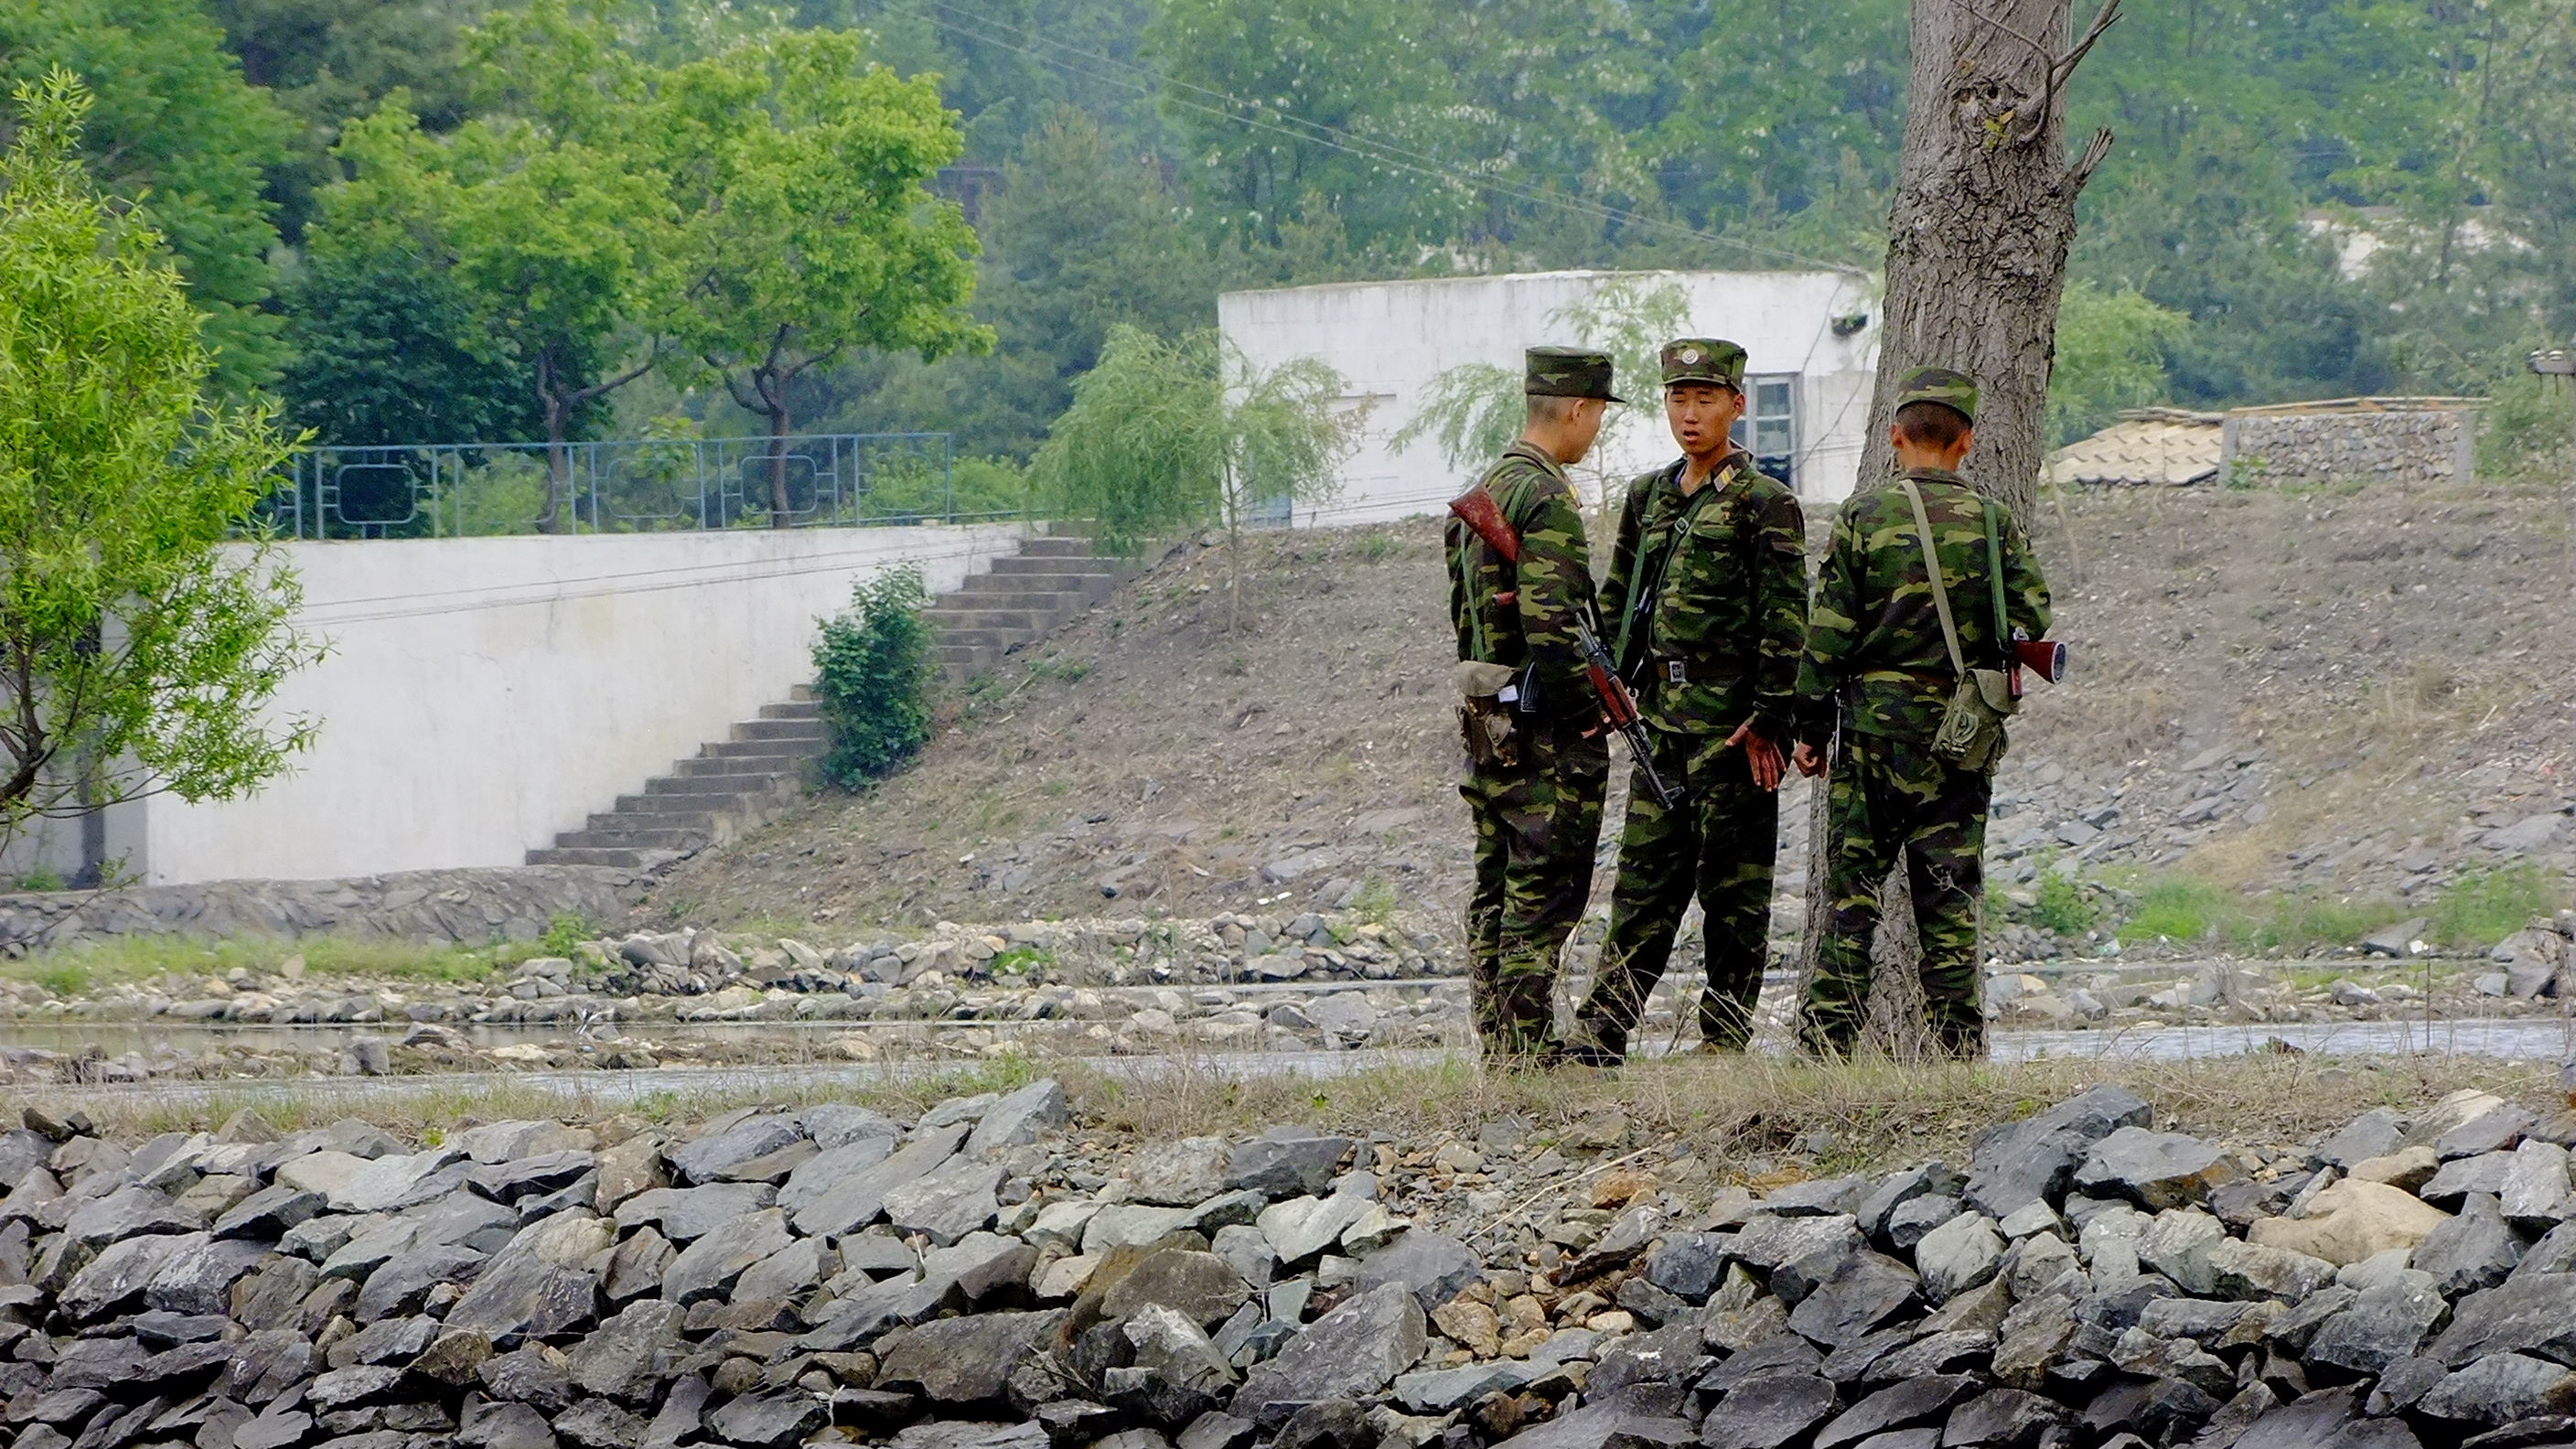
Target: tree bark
{"x":1976,"y":262}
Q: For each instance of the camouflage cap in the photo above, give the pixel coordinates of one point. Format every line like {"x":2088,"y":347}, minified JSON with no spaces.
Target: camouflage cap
{"x":1954,"y":390}
{"x":1568,"y":372}
{"x":1703,"y":359}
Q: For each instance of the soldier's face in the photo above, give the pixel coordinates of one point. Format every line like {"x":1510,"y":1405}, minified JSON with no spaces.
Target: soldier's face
{"x":1700,"y":413}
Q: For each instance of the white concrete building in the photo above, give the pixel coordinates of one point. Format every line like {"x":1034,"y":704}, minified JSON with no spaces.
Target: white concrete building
{"x":1811,"y":339}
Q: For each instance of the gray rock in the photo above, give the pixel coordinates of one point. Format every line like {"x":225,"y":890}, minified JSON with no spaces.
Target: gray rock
{"x":1926,"y":1179}
{"x":1667,"y":1355}
{"x":1175,"y":1375}
{"x":1769,"y":1412}
{"x":2001,"y":1419}
{"x":1768,"y":1243}
{"x":126,"y":1212}
{"x":947,"y":1202}
{"x":502,"y":1425}
{"x":1179,"y":1173}
{"x":2384,"y":1324}
{"x":1353,"y":1351}
{"x":2500,"y":1388}
{"x":818,"y":1174}
{"x":1864,"y":1290}
{"x":2019,"y":1162}
{"x":960,"y":1361}
{"x":617,"y":1359}
{"x":1132,"y":1225}
{"x":537,"y":1284}
{"x":1020,"y":1118}
{"x":2156,"y":1170}
{"x":855,"y":1202}
{"x":1688,"y":1265}
{"x":1250,"y":1254}
{"x":1900,"y":1406}
{"x":527,"y":1176}
{"x":119,"y":1274}
{"x":982,"y":1265}
{"x":384,"y":1342}
{"x":682,"y":1413}
{"x":2495,"y":1130}
{"x":953,"y":1434}
{"x":1201,"y":1287}
{"x":277,"y":1429}
{"x":2404,"y":1381}
{"x":708,"y":1267}
{"x":834,"y":1125}
{"x":268,"y":1213}
{"x":599,"y":1424}
{"x":1302,"y":1227}
{"x":200,"y":1279}
{"x":701,"y":1159}
{"x":1817,"y":1197}
{"x":958,"y":1111}
{"x":349,"y":1387}
{"x":2459,"y":1177}
{"x":2178,"y":1243}
{"x":684,"y":1214}
{"x":1957,"y":1256}
{"x":1287,"y":1162}
{"x":1434,"y":1267}
{"x":2554,"y":1253}
{"x":2535,"y":1315}
{"x":2251,"y":1271}
{"x":532,"y":1375}
{"x":1640,"y":1418}
{"x":1213,"y":1430}
{"x":1437,"y":1391}
{"x":775,"y":1420}
{"x":2535,"y":1194}
{"x":402,"y":1283}
{"x":636,"y":1265}
{"x":397,"y":1181}
{"x":1914,"y":1217}
{"x":2474,"y":1250}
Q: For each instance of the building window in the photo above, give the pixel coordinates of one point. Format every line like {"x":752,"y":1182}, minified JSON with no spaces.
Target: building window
{"x":1769,"y":427}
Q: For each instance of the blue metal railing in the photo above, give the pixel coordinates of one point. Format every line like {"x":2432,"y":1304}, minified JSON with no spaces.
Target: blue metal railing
{"x":629,"y":485}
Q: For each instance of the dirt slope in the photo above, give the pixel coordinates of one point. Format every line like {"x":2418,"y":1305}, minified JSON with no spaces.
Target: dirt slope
{"x":2351,"y":693}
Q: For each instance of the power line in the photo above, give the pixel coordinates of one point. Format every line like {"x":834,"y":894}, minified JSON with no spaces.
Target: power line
{"x":1381,"y":153}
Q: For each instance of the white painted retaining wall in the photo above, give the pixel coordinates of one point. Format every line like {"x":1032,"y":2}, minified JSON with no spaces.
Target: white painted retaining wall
{"x":1390,"y":339}
{"x":482,"y":694}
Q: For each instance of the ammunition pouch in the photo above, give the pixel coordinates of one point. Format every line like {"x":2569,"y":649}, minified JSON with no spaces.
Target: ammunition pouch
{"x":1485,"y":726}
{"x":1972,"y":728}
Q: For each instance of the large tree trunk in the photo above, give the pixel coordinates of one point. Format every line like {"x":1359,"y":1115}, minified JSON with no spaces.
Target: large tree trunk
{"x":1976,"y":261}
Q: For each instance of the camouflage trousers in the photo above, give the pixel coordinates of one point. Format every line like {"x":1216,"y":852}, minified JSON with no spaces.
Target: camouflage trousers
{"x":1890,"y":795}
{"x":1537,"y":824}
{"x":1718,"y":842}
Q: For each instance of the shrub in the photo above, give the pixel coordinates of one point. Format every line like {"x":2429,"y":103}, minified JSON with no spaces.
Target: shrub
{"x":2063,"y":906}
{"x":2483,"y":907}
{"x":872,"y":672}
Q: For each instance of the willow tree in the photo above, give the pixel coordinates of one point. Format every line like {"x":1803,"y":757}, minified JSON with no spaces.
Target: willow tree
{"x":1977,"y":237}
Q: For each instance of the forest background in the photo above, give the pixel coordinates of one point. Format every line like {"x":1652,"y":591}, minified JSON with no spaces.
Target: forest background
{"x":2308,"y":198}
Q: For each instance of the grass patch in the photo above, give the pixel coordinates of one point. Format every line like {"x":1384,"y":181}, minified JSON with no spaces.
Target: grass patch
{"x":2485,"y":906}
{"x":108,"y":962}
{"x":2064,"y":906}
{"x":2188,"y":910}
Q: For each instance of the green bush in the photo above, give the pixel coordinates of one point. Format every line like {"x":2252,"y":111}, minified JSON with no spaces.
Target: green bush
{"x":2064,"y":906}
{"x":2176,"y":910}
{"x":872,"y":672}
{"x":2485,"y":906}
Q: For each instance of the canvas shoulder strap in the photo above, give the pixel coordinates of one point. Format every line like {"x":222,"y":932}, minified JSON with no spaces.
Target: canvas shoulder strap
{"x":1995,"y":583}
{"x":1932,"y":565}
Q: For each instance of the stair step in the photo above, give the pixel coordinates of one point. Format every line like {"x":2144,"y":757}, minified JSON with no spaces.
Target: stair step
{"x":793,"y":709}
{"x":798,"y":748}
{"x":1048,"y":600}
{"x":711,"y":787}
{"x":643,"y":838}
{"x":656,"y":820}
{"x":746,"y":770}
{"x":986,"y":638}
{"x":593,"y":855}
{"x":778,"y":729}
{"x":1006,"y":566}
{"x":1059,"y":546}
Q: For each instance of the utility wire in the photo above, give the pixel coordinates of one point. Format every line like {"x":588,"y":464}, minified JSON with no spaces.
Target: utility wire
{"x":1231,"y":108}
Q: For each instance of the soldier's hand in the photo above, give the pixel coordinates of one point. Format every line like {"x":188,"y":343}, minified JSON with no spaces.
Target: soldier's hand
{"x":1760,"y":755}
{"x":1809,"y":762}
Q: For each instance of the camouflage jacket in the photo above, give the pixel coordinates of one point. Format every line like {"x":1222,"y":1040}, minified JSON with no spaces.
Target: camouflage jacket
{"x":1731,"y":611}
{"x":1874,"y":650}
{"x":1525,"y":615}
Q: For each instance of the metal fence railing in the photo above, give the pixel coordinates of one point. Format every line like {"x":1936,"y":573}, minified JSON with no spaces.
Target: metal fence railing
{"x":452,"y":490}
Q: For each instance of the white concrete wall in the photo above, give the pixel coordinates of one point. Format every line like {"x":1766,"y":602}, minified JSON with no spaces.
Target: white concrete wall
{"x":482,"y":694}
{"x":1390,"y":339}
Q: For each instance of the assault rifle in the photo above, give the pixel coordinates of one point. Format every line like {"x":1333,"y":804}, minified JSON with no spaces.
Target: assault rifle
{"x":2043,"y":657}
{"x":1476,"y":508}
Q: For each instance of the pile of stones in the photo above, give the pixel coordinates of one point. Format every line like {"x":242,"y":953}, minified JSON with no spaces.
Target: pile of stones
{"x":989,"y":1275}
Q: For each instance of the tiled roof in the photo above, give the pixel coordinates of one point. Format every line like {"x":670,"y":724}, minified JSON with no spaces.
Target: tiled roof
{"x":2151,"y":445}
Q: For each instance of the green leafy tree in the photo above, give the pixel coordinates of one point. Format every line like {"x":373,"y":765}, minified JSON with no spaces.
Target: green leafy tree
{"x":1173,"y":434}
{"x":172,"y":122}
{"x":804,"y":231}
{"x":138,"y":652}
{"x":872,"y":672}
{"x":389,"y":350}
{"x":547,"y":213}
{"x":2110,"y":355}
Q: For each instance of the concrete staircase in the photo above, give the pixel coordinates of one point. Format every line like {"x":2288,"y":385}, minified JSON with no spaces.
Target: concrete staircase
{"x":1048,"y":583}
{"x":743,"y":781}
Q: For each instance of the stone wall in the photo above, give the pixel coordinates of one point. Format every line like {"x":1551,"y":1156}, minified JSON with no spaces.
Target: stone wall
{"x":472,"y":906}
{"x":2401,"y":446}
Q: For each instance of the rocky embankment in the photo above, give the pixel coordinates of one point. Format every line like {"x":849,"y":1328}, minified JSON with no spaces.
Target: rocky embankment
{"x":996,"y":1275}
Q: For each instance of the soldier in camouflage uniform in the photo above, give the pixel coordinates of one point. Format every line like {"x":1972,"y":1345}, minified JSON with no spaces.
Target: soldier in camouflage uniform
{"x":1537,"y":755}
{"x":1876,"y":662}
{"x":1707,"y":599}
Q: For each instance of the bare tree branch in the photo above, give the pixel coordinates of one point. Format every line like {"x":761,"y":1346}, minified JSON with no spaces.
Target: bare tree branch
{"x":2094,"y":151}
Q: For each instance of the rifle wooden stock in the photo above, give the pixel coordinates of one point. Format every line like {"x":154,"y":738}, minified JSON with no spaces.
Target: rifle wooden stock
{"x":2043,"y":657}
{"x":1477,"y":509}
